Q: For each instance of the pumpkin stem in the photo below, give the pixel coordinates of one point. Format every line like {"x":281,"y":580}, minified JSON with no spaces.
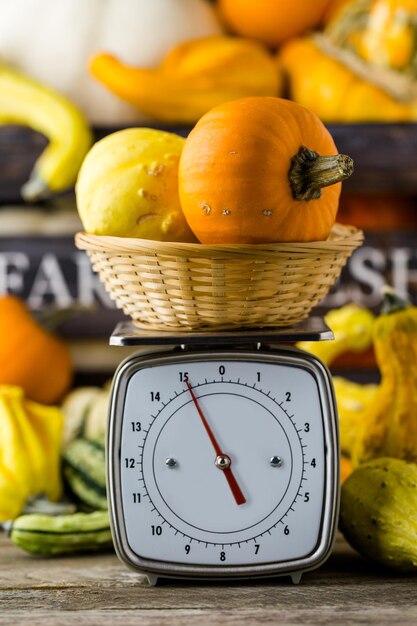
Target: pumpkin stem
{"x":309,"y":172}
{"x":392,"y":303}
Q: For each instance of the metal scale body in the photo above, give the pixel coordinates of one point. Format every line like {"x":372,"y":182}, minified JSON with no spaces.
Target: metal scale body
{"x":223,"y":454}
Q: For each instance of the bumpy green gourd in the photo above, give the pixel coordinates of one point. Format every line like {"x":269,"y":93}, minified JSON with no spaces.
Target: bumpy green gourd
{"x":378,"y":513}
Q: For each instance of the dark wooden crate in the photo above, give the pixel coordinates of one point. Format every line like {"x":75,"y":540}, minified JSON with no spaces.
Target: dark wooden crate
{"x":385,"y":156}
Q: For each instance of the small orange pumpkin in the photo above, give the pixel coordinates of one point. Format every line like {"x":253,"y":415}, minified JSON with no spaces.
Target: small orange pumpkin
{"x":252,"y":171}
{"x":30,"y":357}
{"x":272,"y":21}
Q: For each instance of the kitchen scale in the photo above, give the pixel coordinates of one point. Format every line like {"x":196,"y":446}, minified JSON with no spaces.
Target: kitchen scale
{"x":223,"y":453}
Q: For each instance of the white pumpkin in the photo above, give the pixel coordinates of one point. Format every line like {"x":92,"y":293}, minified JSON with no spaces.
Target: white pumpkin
{"x":52,"y":40}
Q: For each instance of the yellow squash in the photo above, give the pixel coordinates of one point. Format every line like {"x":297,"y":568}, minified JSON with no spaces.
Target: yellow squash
{"x":352,"y":326}
{"x":27,"y":102}
{"x":334,"y":91}
{"x":193,"y":78}
{"x":128,"y":186}
{"x":352,"y":329}
{"x":352,"y":401}
{"x":30,"y":444}
{"x":388,"y":426}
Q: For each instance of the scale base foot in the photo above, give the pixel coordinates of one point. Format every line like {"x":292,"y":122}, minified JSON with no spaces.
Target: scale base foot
{"x":152,"y":579}
{"x":296,"y":577}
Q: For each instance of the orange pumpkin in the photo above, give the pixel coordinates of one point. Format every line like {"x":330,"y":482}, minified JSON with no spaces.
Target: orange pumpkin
{"x":272,"y":21}
{"x":30,"y":357}
{"x":252,"y":171}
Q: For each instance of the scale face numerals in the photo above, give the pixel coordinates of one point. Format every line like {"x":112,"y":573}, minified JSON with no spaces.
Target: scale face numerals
{"x":222,"y":462}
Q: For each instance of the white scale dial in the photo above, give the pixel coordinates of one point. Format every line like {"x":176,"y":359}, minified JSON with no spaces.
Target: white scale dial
{"x":222,"y":462}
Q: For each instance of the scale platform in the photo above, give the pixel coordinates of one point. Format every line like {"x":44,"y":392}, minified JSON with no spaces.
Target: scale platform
{"x":311,"y":329}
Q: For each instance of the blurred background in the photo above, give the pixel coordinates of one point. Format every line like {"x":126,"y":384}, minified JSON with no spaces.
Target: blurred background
{"x":162,"y":64}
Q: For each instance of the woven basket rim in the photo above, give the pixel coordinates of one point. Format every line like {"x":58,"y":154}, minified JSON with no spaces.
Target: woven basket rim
{"x":341,"y":237}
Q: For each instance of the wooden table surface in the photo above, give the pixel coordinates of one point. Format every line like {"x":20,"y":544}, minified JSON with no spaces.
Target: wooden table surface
{"x":100,"y":590}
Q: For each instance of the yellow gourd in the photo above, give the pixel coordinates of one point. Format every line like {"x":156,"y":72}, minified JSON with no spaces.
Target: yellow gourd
{"x":193,"y":78}
{"x":335,"y":92}
{"x":388,"y":426}
{"x":25,"y":101}
{"x":352,"y":329}
{"x":128,"y":186}
{"x":352,"y":400}
{"x":30,"y":444}
{"x":352,"y":326}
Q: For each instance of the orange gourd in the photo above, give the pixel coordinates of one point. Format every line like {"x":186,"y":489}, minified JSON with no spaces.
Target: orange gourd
{"x":260,"y":170}
{"x":194,"y":77}
{"x":346,"y":468}
{"x":363,"y":67}
{"x":334,"y":91}
{"x":30,"y":357}
{"x":272,"y":21}
{"x":381,"y":32}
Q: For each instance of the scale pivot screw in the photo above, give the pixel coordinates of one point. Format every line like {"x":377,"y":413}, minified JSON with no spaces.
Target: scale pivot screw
{"x":223,"y":462}
{"x":170,"y":462}
{"x":275,"y":461}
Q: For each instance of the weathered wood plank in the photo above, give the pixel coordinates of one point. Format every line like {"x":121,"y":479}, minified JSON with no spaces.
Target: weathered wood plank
{"x":295,"y":616}
{"x":97,"y":589}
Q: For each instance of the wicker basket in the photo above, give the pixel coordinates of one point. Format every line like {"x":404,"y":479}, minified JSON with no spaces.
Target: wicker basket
{"x":180,"y":286}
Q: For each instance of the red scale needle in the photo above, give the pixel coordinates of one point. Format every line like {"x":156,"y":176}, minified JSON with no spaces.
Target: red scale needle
{"x":233,"y":484}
